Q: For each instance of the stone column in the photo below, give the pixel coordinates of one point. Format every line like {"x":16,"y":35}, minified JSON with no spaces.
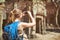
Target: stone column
{"x":2,"y":1}
{"x":15,"y":5}
{"x":1,"y":19}
{"x":0,"y":26}
{"x":34,"y":13}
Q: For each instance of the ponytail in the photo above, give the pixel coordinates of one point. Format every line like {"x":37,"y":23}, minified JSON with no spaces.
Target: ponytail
{"x":15,"y":13}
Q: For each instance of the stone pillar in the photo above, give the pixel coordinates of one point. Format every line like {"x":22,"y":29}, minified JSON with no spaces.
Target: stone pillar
{"x":15,"y":5}
{"x":2,"y":1}
{"x":0,"y":26}
{"x":34,"y":13}
{"x":1,"y":19}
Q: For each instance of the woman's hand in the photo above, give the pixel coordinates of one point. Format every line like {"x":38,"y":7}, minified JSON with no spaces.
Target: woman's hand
{"x":29,"y":12}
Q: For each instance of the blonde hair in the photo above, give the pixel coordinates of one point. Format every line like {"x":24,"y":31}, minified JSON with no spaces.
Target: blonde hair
{"x":15,"y":13}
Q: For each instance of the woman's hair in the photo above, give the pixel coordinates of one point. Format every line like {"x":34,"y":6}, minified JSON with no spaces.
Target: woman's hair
{"x":15,"y":13}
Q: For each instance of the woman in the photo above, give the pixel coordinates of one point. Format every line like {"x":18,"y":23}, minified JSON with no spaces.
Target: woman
{"x":16,"y":27}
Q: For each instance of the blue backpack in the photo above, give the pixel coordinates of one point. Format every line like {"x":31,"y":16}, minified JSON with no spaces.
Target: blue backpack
{"x":12,"y":31}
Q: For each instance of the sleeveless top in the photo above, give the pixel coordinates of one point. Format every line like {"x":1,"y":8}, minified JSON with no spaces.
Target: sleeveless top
{"x":12,"y":30}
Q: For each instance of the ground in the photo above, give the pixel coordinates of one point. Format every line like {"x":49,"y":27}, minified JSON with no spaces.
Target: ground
{"x":48,"y":36}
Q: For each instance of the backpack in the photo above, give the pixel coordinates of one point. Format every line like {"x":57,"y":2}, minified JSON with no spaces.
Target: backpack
{"x":12,"y":31}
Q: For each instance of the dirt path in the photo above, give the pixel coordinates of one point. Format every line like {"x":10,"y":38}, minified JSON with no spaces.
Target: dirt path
{"x":49,"y":36}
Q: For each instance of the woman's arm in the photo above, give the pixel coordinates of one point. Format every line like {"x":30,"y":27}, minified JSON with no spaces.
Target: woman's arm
{"x":29,"y":24}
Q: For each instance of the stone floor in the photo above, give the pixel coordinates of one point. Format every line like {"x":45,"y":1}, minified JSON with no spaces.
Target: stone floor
{"x":48,"y":36}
